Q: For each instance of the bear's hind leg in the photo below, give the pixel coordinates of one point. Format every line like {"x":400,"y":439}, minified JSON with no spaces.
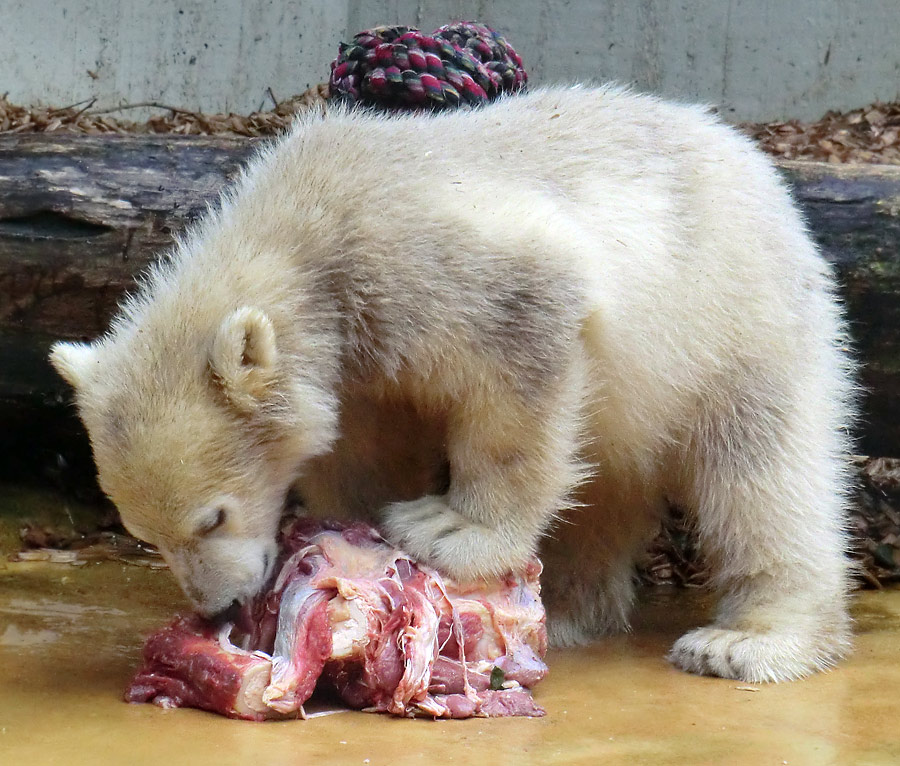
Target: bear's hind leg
{"x":589,"y":554}
{"x":767,"y":484}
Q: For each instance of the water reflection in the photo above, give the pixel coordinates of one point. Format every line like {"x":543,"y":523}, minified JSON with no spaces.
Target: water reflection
{"x":67,"y":650}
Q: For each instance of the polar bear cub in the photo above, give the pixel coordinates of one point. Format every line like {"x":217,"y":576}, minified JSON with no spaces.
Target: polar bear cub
{"x":610,"y":302}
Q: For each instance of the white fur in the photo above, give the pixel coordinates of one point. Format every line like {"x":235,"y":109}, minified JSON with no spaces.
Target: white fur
{"x":601,"y":299}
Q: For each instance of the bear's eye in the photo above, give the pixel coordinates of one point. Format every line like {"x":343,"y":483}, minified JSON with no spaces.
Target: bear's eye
{"x":214,"y":522}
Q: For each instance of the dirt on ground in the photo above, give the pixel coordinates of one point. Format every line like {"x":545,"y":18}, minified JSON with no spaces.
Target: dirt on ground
{"x":869,"y":134}
{"x":873,"y":526}
{"x":83,"y":118}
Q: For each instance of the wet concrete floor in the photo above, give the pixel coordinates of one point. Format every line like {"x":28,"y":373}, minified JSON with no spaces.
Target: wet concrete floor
{"x":70,"y":639}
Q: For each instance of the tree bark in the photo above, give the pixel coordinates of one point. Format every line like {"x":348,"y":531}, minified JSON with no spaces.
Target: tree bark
{"x":80,"y":216}
{"x":853,"y":212}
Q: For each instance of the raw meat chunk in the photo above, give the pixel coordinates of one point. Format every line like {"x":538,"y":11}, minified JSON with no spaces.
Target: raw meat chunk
{"x":360,"y":619}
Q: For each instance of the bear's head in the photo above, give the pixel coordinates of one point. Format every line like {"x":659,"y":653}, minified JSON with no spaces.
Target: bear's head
{"x":198,"y":437}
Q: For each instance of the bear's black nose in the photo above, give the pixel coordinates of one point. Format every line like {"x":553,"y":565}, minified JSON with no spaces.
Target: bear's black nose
{"x":230,"y":614}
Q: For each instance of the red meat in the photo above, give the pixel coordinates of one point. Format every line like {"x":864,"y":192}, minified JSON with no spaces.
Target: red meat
{"x":356,"y":617}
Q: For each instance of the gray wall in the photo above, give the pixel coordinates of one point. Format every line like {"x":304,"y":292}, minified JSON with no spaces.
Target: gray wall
{"x":756,"y":59}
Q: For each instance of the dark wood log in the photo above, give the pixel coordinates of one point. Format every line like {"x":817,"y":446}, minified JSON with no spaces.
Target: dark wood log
{"x":81,"y":215}
{"x":853,"y":212}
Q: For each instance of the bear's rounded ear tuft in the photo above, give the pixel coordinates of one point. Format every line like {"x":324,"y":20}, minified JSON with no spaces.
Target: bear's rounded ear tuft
{"x":243,"y":356}
{"x":73,"y":361}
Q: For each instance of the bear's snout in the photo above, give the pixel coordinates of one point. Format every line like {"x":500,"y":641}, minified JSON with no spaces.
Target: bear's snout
{"x":215,"y":574}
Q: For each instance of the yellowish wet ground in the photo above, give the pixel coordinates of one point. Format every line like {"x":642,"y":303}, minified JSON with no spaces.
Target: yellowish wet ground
{"x":70,"y":639}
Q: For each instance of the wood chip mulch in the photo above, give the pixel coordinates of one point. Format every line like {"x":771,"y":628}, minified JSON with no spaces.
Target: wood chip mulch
{"x":869,"y":134}
{"x":875,"y":520}
{"x":84,"y":119}
{"x":106,"y":540}
{"x":874,"y":527}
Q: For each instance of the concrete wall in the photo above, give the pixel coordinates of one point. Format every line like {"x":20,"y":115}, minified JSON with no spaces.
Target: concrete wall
{"x":756,"y":59}
{"x":216,"y":55}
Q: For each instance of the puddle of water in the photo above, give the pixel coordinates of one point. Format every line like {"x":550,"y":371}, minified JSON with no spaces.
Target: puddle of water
{"x":13,"y":635}
{"x":50,"y":608}
{"x":70,"y":640}
{"x":68,"y":649}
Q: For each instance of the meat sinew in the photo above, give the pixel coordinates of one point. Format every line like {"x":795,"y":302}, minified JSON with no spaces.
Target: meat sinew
{"x":360,"y":619}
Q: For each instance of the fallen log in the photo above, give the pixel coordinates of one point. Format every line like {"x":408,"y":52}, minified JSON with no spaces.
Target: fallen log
{"x":80,"y":216}
{"x":853,"y":212}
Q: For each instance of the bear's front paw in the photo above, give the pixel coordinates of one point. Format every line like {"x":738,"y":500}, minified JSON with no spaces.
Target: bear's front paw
{"x":430,"y":531}
{"x":754,"y":657}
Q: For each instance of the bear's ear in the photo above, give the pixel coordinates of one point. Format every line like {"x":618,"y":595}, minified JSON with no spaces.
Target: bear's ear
{"x":243,"y":356}
{"x":73,"y":361}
